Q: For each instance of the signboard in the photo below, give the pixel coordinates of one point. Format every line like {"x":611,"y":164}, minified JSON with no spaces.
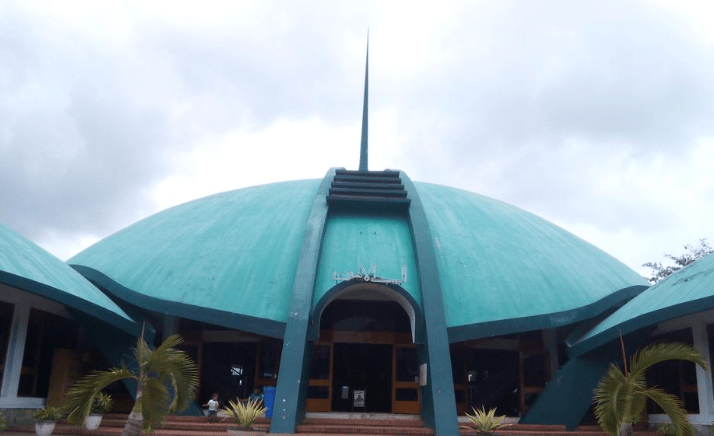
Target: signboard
{"x":358,"y":400}
{"x":369,"y":275}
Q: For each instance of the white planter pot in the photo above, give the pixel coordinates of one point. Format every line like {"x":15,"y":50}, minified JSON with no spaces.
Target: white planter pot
{"x":92,"y":422}
{"x":44,"y":428}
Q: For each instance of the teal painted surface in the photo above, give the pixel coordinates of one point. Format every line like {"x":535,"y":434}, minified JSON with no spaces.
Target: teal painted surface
{"x":235,"y":252}
{"x":291,"y":393}
{"x":500,"y":263}
{"x":368,"y":239}
{"x":575,"y":381}
{"x":26,"y":266}
{"x":261,"y":326}
{"x":439,"y":404}
{"x":685,"y":292}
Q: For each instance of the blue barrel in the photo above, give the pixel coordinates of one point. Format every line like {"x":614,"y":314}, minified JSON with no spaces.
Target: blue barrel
{"x":269,"y":401}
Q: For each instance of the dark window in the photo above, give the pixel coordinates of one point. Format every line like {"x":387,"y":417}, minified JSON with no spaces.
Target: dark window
{"x":269,"y":359}
{"x":407,"y":394}
{"x":407,"y":368}
{"x":45,"y":334}
{"x":6,"y":311}
{"x":320,"y":368}
{"x":534,"y":373}
{"x":676,"y":377}
{"x":357,"y":315}
{"x":318,"y":392}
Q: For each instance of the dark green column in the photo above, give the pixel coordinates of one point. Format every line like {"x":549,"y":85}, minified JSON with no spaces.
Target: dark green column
{"x":293,"y":376}
{"x":438,"y":402}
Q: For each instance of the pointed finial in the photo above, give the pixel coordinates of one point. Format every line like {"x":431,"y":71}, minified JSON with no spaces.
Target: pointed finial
{"x":363,"y":142}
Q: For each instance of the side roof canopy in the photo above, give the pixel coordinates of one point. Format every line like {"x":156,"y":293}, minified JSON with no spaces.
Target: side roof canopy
{"x":688,"y":291}
{"x":26,"y":266}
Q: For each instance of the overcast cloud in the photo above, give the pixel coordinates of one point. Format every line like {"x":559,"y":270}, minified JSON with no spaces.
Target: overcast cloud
{"x":596,"y":115}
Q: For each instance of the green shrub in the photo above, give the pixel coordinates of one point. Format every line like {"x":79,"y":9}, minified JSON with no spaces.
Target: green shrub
{"x":102,"y":404}
{"x":666,"y":430}
{"x":245,"y":414}
{"x":48,"y":414}
{"x":3,"y":423}
{"x":485,"y":422}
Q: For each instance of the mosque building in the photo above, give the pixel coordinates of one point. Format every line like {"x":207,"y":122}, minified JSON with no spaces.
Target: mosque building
{"x":360,"y":291}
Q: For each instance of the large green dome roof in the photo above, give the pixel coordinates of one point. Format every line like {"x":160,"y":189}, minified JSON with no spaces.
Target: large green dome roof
{"x":231,"y":259}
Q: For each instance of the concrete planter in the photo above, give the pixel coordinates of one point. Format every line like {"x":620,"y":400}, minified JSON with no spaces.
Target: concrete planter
{"x":92,"y":422}
{"x":44,"y":428}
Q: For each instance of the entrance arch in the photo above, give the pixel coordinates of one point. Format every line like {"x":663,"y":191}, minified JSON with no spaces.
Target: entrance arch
{"x":364,"y":356}
{"x":368,"y":291}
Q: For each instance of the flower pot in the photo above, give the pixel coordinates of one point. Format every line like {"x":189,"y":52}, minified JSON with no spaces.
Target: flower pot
{"x":44,"y":428}
{"x":92,"y":422}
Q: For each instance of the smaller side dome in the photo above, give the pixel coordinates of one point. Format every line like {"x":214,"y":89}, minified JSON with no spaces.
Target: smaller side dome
{"x":26,"y":266}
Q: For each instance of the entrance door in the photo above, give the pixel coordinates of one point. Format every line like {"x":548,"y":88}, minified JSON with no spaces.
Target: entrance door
{"x":405,"y":373}
{"x":362,"y":367}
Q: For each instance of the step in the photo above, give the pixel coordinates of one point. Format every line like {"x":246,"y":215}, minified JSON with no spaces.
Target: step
{"x":364,"y":429}
{"x":364,"y":422}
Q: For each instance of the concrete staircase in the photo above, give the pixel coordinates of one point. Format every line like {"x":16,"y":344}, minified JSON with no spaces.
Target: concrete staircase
{"x":112,"y":425}
{"x":313,"y":425}
{"x":367,"y":424}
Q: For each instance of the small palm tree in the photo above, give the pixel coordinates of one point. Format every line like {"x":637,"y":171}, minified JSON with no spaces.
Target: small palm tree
{"x":166,"y":380}
{"x":622,"y":394}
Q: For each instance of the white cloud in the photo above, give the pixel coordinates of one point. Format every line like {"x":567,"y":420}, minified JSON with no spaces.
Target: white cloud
{"x":596,"y":116}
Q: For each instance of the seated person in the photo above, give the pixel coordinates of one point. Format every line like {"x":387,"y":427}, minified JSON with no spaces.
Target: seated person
{"x":257,"y":395}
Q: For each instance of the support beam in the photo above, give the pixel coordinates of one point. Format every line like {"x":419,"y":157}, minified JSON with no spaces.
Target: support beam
{"x":439,"y":403}
{"x":704,"y":376}
{"x":15,"y":351}
{"x":550,"y":337}
{"x":294,"y":373}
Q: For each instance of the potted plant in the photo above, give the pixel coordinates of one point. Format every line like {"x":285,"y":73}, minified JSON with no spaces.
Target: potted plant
{"x":45,"y":420}
{"x":485,"y":423}
{"x":101,"y":405}
{"x":244,"y":415}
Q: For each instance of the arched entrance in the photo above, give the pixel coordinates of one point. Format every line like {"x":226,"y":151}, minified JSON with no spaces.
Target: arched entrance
{"x":365,"y":359}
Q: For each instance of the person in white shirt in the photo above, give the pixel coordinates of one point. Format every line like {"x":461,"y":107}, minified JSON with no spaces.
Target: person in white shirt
{"x":212,"y":408}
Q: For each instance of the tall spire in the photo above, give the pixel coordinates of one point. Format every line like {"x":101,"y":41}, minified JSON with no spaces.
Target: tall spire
{"x":363,"y":142}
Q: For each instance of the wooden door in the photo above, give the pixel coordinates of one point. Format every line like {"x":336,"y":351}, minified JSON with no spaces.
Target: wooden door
{"x":319,"y":391}
{"x":405,"y":379}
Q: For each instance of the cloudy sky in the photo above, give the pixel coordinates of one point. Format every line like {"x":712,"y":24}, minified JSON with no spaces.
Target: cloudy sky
{"x":596,"y":115}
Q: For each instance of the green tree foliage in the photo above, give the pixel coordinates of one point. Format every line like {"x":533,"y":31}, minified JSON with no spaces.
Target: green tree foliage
{"x":693,"y":253}
{"x":621,"y":395}
{"x":166,"y":380}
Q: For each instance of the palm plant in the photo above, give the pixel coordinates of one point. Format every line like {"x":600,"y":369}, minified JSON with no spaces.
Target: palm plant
{"x":622,"y":394}
{"x":166,"y":380}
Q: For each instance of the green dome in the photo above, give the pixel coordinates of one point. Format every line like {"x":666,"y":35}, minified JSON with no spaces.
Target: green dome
{"x":505,"y":270}
{"x":231,"y":259}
